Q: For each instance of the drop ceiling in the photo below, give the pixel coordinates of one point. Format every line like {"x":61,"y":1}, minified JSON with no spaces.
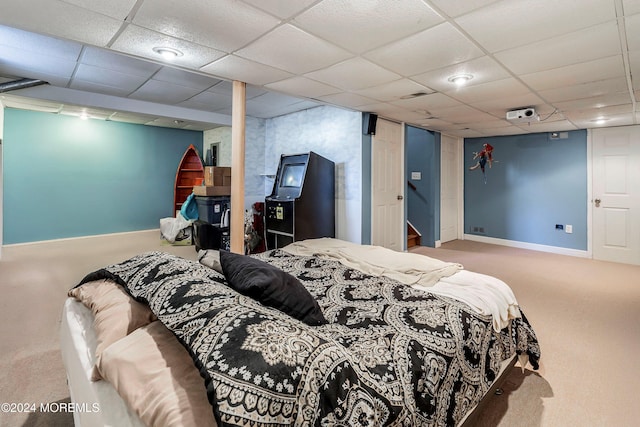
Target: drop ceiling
{"x":574,"y":61}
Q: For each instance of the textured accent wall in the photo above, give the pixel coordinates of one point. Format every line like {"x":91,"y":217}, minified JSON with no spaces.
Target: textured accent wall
{"x":254,"y":178}
{"x":535,"y":183}
{"x":66,"y":177}
{"x":332,"y":133}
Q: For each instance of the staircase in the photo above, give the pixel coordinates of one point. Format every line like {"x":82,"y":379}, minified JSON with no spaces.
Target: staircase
{"x":413,"y":236}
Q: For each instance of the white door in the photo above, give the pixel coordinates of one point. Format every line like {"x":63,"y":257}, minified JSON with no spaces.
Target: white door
{"x":387,"y":213}
{"x":616,"y":194}
{"x":449,"y":188}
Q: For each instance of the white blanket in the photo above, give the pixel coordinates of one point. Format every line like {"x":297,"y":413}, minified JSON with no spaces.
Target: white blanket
{"x":484,"y":294}
{"x":378,"y":261}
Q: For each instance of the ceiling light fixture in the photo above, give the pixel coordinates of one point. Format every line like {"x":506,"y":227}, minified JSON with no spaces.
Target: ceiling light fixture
{"x":167,"y":52}
{"x":600,"y":121}
{"x":460,"y":79}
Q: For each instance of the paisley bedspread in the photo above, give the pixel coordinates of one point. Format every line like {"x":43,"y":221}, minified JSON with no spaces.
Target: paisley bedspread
{"x":389,"y":355}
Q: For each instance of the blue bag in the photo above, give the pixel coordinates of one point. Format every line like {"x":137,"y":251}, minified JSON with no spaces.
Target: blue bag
{"x":189,"y":209}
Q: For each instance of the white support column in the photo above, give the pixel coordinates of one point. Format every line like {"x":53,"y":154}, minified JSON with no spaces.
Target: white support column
{"x":237,"y":166}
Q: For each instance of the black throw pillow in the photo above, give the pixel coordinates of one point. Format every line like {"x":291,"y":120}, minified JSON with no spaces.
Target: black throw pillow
{"x":271,"y":286}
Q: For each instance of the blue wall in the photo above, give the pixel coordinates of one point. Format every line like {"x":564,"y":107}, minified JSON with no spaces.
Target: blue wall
{"x":65,"y":177}
{"x":535,"y":183}
{"x":422,"y":154}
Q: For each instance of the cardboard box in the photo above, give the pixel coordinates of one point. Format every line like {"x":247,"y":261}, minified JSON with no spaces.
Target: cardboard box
{"x":217,"y":176}
{"x":211,"y":190}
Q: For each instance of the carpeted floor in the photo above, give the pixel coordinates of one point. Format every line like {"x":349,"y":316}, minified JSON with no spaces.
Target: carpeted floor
{"x":586,"y":314}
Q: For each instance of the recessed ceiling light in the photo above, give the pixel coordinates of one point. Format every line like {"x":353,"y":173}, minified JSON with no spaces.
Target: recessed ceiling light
{"x":600,"y":121}
{"x":167,"y":53}
{"x":460,"y":79}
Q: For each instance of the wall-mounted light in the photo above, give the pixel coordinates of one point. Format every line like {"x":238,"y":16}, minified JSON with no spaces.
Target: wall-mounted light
{"x":460,"y":79}
{"x":167,"y":53}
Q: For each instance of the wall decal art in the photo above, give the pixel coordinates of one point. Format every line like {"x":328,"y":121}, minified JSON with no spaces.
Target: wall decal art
{"x":485,"y":156}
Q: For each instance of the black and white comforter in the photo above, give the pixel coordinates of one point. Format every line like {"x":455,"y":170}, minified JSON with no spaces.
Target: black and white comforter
{"x":390,"y":355}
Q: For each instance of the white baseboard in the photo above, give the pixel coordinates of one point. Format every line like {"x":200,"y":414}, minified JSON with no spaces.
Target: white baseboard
{"x":524,"y":245}
{"x":157,"y":230}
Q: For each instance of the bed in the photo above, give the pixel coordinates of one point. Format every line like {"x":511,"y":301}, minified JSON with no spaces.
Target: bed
{"x":319,"y":333}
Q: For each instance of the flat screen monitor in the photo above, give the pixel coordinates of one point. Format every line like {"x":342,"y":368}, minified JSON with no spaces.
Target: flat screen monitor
{"x":292,"y":175}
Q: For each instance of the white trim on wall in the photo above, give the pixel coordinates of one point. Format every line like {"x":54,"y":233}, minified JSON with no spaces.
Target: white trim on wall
{"x":524,"y":245}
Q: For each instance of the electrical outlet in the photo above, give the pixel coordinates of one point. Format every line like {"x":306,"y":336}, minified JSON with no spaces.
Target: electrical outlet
{"x":569,"y":228}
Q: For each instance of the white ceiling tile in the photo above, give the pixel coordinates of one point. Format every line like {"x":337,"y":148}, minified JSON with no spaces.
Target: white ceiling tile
{"x":475,"y":93}
{"x":631,"y":6}
{"x":581,"y":46}
{"x":625,"y":119}
{"x":353,"y":74}
{"x":585,"y":90}
{"x":466,"y":133}
{"x":212,"y":23}
{"x":394,"y":90}
{"x":462,"y":114}
{"x":157,"y":91}
{"x":570,"y":75}
{"x":347,"y":99}
{"x":185,"y":78}
{"x":593,"y":114}
{"x":356,"y":24}
{"x":632,"y":25}
{"x":568,"y":53}
{"x":498,"y":106}
{"x":428,"y":50}
{"x":280,"y":8}
{"x":118,"y":9}
{"x":140,"y":41}
{"x":226,"y":88}
{"x":383,"y":109}
{"x":208,"y":101}
{"x":289,"y":48}
{"x":455,"y":8}
{"x":235,"y":68}
{"x":90,"y":86}
{"x":61,"y":19}
{"x":303,"y":86}
{"x":434,"y":123}
{"x":274,"y":99}
{"x":509,"y":24}
{"x":111,"y":60}
{"x":607,"y":100}
{"x":35,"y":44}
{"x":487,"y":124}
{"x":264,"y":108}
{"x":427,"y":102}
{"x":634,"y":62}
{"x":105,"y":77}
{"x":483,"y":69}
{"x":16,"y":62}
